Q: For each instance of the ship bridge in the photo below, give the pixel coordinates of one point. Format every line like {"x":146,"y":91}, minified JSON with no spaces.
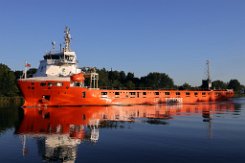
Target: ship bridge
{"x":59,"y":63}
{"x":60,"y":58}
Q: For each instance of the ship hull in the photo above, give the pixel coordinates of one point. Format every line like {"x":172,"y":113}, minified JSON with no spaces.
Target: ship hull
{"x":48,"y":93}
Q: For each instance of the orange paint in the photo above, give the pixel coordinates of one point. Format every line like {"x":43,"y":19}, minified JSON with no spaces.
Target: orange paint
{"x":47,"y":93}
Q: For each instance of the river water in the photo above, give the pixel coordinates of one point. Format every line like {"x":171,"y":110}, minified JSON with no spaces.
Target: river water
{"x":203,"y":132}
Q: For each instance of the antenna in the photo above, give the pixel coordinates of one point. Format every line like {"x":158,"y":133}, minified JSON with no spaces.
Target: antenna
{"x":208,"y":71}
{"x":53,"y":45}
{"x":60,"y":47}
{"x":208,"y":75}
{"x":206,"y":83}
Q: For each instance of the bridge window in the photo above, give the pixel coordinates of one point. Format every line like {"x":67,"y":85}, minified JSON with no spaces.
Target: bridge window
{"x":69,"y":57}
{"x":187,"y":93}
{"x":144,"y":93}
{"x":49,"y":56}
{"x":103,"y":93}
{"x":132,"y":93}
{"x":167,"y":93}
{"x":178,"y":93}
{"x":42,"y":84}
{"x":156,"y":93}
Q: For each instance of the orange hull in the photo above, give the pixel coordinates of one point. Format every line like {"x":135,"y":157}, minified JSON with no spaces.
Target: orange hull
{"x":49,"y":93}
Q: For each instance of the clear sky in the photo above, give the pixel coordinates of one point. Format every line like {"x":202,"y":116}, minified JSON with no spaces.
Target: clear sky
{"x":175,"y":37}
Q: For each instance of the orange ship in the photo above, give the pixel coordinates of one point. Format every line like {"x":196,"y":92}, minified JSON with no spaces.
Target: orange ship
{"x":59,"y":82}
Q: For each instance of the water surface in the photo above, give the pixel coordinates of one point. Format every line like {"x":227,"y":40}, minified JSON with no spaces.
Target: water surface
{"x":203,"y":132}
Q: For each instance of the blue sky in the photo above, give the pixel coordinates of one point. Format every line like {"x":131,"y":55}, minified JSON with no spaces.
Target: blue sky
{"x":175,"y":37}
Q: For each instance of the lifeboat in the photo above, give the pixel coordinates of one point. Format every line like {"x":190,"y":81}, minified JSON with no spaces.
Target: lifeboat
{"x":77,"y":77}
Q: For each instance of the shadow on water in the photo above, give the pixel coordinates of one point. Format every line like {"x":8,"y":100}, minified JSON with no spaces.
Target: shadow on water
{"x":10,"y":117}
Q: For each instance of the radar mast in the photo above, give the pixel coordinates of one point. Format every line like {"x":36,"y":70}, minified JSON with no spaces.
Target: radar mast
{"x":206,"y":83}
{"x":67,"y":38}
{"x":208,"y":75}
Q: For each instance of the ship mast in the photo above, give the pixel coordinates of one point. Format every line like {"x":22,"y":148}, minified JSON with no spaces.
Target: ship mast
{"x":208,"y":71}
{"x":208,"y":75}
{"x":67,"y":38}
{"x":206,"y":83}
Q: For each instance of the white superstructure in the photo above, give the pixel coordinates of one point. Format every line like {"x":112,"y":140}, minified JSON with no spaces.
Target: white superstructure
{"x":62,"y":63}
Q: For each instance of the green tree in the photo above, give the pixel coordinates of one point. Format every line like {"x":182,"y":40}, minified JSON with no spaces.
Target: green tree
{"x":218,"y":84}
{"x":103,"y":77}
{"x":18,"y":74}
{"x":157,"y":80}
{"x":114,"y":77}
{"x":8,"y":85}
{"x":130,"y":76}
{"x":122,"y":76}
{"x":118,"y":79}
{"x":116,"y":84}
{"x":130,"y":85}
{"x":31,"y":72}
{"x":185,"y":86}
{"x":234,"y":84}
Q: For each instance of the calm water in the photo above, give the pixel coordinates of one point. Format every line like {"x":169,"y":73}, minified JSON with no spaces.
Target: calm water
{"x":207,"y":132}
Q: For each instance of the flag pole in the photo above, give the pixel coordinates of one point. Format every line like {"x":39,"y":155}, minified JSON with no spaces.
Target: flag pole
{"x":25,"y":70}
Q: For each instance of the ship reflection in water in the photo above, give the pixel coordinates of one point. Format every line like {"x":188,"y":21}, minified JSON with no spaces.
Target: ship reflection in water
{"x":59,"y":131}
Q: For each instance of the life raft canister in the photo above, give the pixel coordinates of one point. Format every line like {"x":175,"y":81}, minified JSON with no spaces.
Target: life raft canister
{"x":77,"y":77}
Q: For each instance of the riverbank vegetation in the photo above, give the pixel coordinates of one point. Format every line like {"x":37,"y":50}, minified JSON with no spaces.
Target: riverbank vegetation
{"x":8,"y":101}
{"x":9,"y":92}
{"x":109,"y":79}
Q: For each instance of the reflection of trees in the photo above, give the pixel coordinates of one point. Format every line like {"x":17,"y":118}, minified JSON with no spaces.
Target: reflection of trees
{"x":112,"y":124}
{"x":9,"y":117}
{"x":156,"y":121}
{"x":237,"y":108}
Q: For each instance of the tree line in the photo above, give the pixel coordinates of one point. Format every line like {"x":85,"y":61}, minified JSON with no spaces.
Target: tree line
{"x":114,"y":80}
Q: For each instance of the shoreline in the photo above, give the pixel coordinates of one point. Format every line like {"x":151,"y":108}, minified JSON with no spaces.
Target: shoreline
{"x":15,"y":100}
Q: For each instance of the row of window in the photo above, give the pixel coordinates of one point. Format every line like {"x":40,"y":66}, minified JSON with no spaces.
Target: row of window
{"x":58,"y":57}
{"x":158,"y":93}
{"x":59,"y":84}
{"x":49,"y":84}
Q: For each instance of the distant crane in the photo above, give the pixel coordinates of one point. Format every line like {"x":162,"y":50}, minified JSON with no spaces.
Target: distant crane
{"x":206,"y":83}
